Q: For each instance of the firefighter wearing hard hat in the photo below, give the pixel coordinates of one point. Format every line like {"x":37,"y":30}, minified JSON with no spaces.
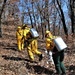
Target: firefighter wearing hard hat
{"x":26,"y":29}
{"x":58,"y":56}
{"x":33,"y":47}
{"x":49,"y":42}
{"x":19,"y":36}
{"x":49,"y":45}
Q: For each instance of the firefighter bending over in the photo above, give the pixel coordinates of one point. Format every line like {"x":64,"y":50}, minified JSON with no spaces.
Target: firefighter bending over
{"x":32,"y":47}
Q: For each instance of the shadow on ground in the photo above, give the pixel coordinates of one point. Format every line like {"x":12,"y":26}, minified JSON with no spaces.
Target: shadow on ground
{"x":17,"y":59}
{"x":32,"y":66}
{"x":39,"y":69}
{"x":71,"y":69}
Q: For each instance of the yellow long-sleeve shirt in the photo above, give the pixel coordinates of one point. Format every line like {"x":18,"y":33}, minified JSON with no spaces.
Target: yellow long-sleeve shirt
{"x":49,"y":42}
{"x":19,"y":34}
{"x":25,"y":31}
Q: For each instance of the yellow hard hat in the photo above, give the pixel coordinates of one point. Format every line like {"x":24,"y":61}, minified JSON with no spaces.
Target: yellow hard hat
{"x":19,"y":27}
{"x":47,"y":31}
{"x":24,"y":26}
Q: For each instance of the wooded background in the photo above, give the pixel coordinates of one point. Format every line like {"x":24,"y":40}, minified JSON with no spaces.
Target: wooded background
{"x":55,"y":15}
{"x":58,"y":16}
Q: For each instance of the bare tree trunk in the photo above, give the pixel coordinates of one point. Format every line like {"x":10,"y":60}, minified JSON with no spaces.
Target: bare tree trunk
{"x":34,"y":16}
{"x":72,"y":14}
{"x":1,"y":16}
{"x":63,"y":18}
{"x":42,"y":29}
{"x":30,"y":17}
{"x":41,"y":17}
{"x":46,"y":13}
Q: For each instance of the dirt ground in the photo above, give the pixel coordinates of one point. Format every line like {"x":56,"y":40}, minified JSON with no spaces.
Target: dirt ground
{"x":13,"y":62}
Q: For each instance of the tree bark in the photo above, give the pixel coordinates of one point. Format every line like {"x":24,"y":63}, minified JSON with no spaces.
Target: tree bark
{"x":63,"y":19}
{"x":72,"y":15}
{"x":4,"y":3}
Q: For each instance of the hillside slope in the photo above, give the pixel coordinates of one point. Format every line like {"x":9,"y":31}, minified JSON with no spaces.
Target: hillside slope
{"x":13,"y":62}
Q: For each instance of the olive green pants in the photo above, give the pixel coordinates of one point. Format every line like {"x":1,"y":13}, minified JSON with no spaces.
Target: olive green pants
{"x":58,"y":61}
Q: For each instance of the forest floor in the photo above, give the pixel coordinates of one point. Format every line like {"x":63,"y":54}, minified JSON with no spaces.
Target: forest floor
{"x":13,"y":62}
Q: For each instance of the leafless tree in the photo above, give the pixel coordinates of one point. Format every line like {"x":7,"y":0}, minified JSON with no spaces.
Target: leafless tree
{"x":72,"y":13}
{"x":4,"y":3}
{"x":62,"y":18}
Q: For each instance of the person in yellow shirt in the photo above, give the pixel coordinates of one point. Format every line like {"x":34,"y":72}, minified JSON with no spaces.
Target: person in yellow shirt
{"x":25,"y":29}
{"x":49,"y":46}
{"x":58,"y":56}
{"x":49,"y":42}
{"x":32,"y":47}
{"x":19,"y":36}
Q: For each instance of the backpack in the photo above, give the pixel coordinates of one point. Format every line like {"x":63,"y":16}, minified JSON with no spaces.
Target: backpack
{"x":60,"y":44}
{"x":34,"y":33}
